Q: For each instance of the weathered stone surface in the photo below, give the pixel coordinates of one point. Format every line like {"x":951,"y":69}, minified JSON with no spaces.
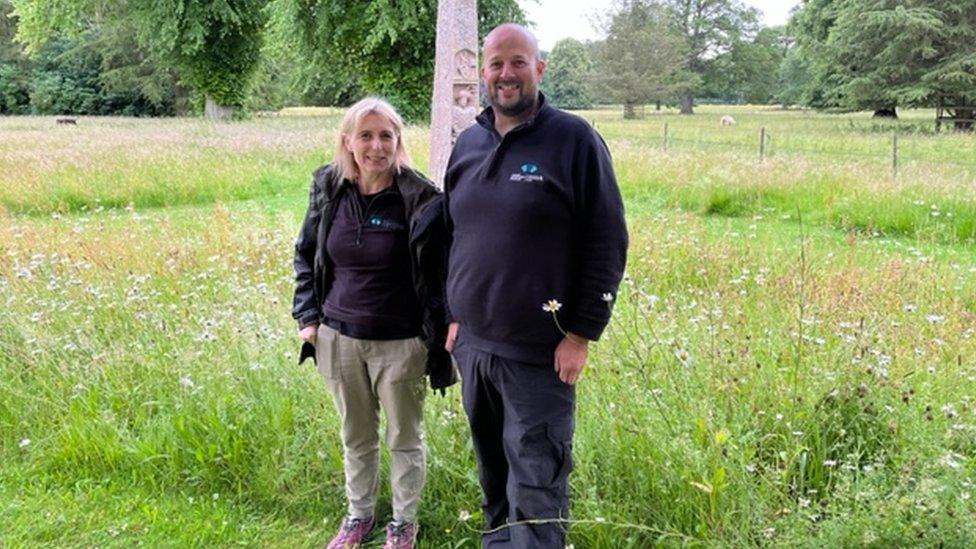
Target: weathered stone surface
{"x":455,"y":99}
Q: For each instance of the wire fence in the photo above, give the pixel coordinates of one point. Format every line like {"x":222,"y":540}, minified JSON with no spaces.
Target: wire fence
{"x":892,"y":151}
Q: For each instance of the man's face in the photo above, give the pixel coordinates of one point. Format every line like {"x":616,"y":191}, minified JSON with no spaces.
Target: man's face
{"x":511,"y":73}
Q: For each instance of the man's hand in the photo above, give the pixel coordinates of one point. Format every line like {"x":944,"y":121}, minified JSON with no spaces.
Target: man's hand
{"x":452,"y":330}
{"x":307,"y":333}
{"x":571,"y":357}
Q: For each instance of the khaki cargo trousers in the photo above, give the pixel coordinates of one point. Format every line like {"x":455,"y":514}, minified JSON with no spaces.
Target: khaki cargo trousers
{"x":364,"y":376}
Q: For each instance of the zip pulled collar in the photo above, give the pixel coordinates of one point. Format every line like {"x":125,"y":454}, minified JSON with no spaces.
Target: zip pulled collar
{"x":361,"y":205}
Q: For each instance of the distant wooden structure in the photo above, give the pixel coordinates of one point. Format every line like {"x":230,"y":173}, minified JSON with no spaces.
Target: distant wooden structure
{"x":961,"y":114}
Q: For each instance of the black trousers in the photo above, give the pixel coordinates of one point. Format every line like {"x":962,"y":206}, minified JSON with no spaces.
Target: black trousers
{"x":522,"y":420}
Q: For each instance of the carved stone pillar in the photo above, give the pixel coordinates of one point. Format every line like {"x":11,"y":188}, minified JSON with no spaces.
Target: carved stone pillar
{"x":456,"y":100}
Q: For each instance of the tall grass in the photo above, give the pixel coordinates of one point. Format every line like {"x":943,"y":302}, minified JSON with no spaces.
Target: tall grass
{"x":763,"y":381}
{"x":833,"y":169}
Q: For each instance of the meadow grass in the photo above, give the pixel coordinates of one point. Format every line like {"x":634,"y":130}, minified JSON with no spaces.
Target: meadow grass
{"x":783,"y":367}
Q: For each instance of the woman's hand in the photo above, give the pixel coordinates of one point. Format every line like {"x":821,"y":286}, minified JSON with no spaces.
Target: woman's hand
{"x":307,"y":333}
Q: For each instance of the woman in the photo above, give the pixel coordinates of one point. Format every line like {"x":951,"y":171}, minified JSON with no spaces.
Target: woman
{"x":369,"y":271}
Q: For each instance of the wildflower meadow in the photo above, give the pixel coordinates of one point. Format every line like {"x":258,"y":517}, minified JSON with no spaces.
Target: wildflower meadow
{"x":791,"y":360}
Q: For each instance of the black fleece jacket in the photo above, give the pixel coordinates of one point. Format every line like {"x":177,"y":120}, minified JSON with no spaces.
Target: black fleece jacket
{"x":535,"y":216}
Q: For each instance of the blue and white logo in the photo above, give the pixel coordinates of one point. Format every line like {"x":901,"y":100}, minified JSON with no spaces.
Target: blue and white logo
{"x":527,"y":172}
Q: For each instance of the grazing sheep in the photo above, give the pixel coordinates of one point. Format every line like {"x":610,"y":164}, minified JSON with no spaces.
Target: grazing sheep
{"x":727,"y":120}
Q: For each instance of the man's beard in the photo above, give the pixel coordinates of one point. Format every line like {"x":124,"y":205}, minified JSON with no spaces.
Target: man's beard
{"x":525,"y":103}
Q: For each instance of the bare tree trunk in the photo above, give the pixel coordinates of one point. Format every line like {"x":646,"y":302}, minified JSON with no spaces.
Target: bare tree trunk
{"x":965,"y":125}
{"x":687,"y":102}
{"x":630,"y":112}
{"x":181,"y":100}
{"x":215,"y":112}
{"x":885,"y":112}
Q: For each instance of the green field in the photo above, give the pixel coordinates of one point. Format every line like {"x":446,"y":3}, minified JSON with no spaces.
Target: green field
{"x":792,"y":359}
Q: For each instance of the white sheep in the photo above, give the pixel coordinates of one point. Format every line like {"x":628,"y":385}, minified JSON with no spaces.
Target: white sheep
{"x":727,"y":120}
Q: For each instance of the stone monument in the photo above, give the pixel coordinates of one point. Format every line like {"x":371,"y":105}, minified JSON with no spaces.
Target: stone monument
{"x":455,"y":100}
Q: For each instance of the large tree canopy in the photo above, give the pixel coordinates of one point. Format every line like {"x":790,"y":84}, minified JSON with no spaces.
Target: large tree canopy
{"x":750,"y":71}
{"x":567,"y":75}
{"x":214,"y":46}
{"x":99,"y":71}
{"x":640,"y":60}
{"x":909,"y":53}
{"x":388,"y":47}
{"x":878,"y":54}
{"x":710,"y":28}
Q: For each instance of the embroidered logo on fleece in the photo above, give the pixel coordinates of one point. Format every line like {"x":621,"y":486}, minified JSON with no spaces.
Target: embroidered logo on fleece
{"x":527,"y":172}
{"x":384,"y":224}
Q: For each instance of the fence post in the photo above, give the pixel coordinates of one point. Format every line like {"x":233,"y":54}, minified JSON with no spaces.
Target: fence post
{"x":664,"y":142}
{"x":762,"y":143}
{"x":894,"y":155}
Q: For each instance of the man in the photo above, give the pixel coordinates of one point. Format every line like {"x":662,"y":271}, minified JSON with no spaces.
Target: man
{"x":539,"y":245}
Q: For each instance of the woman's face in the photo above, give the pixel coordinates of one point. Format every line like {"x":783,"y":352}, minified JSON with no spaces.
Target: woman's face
{"x":373,"y":145}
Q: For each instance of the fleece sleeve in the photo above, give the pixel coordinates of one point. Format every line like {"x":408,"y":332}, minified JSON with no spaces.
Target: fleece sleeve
{"x":450,"y":177}
{"x":600,"y":252}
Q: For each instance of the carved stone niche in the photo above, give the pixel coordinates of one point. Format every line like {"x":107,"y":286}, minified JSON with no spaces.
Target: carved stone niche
{"x":466,"y":64}
{"x":465,"y":106}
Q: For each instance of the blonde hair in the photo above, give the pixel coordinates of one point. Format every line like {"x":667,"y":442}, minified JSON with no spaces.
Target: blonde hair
{"x":343,"y":159}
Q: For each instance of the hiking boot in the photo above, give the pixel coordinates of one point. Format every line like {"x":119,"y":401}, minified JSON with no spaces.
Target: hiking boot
{"x":400,"y":535}
{"x":352,"y":533}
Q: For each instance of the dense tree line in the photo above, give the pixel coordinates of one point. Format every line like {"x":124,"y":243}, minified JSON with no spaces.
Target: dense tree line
{"x":843,"y":55}
{"x":171,"y":56}
{"x":178,"y":56}
{"x":92,"y":73}
{"x":675,"y":51}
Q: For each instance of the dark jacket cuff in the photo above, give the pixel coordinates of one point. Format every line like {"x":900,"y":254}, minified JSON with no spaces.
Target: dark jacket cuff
{"x":308,"y":319}
{"x":590,"y":329}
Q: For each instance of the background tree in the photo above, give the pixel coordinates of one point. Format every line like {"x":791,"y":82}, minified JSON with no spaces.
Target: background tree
{"x":709,"y":28}
{"x":819,"y":39}
{"x":287,"y":76}
{"x":96,"y":72}
{"x":911,"y":54}
{"x":214,"y":46}
{"x":14,"y":66}
{"x":749,"y":72}
{"x":568,"y":69}
{"x":878,"y":54}
{"x":384,"y":48}
{"x":794,"y":76}
{"x":810,"y":24}
{"x":640,"y":60}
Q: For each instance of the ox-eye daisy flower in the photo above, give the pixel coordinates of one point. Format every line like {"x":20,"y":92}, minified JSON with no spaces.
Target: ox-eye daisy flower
{"x":551,"y":306}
